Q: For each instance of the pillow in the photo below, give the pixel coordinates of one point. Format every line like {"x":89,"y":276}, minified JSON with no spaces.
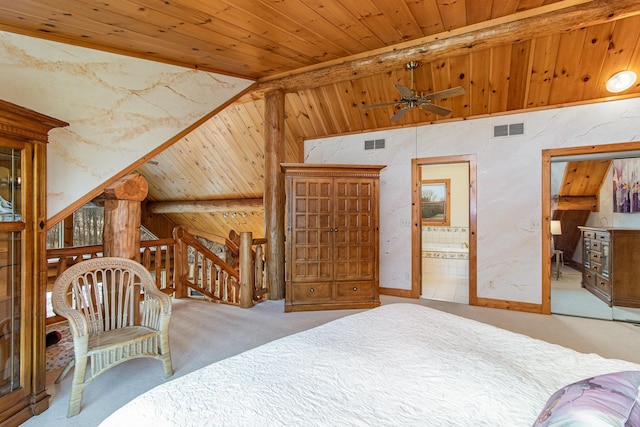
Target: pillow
{"x":605,"y":400}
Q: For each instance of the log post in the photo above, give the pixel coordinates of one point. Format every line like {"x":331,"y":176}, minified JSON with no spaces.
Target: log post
{"x":274,"y":196}
{"x":122,"y":214}
{"x":180,"y":262}
{"x":247,"y":278}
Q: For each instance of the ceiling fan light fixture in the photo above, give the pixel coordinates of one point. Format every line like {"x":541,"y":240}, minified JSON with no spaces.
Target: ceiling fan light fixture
{"x":621,"y":81}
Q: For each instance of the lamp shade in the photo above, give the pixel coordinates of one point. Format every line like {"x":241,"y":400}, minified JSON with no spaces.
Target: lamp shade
{"x":556,"y":227}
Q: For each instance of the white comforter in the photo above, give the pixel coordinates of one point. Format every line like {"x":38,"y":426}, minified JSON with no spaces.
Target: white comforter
{"x":396,"y":365}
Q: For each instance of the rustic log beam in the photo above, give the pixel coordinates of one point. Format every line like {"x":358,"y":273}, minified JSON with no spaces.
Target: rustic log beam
{"x":130,"y":187}
{"x":577,"y":203}
{"x":220,"y":205}
{"x":274,"y":192}
{"x":122,"y":213}
{"x":559,"y":17}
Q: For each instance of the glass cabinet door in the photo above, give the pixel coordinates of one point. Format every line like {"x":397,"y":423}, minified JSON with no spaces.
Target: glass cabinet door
{"x":605,"y":259}
{"x":11,"y":230}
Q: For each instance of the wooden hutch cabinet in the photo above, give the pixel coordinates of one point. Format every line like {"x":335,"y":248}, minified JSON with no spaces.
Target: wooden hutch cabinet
{"x":611,"y":260}
{"x":332,"y":241}
{"x":23,"y":138}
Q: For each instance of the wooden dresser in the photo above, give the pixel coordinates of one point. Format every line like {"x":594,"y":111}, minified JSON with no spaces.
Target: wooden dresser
{"x":611,"y":260}
{"x":332,"y":232}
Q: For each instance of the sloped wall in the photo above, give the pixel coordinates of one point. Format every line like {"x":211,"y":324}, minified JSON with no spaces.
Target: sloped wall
{"x":119,"y":108}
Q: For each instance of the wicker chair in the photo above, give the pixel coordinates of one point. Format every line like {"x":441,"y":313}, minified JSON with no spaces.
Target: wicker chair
{"x":115,"y":313}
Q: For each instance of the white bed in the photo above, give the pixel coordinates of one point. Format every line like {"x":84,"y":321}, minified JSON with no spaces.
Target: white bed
{"x":399,"y":364}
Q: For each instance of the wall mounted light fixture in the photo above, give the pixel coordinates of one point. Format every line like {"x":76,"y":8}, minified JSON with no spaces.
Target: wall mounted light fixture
{"x":621,"y":81}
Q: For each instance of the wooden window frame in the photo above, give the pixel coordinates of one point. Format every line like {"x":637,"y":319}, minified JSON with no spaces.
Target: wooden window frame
{"x":446,"y":203}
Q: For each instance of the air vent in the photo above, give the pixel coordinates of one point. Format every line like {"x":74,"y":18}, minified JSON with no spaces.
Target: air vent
{"x":374,"y":144}
{"x":507,"y":130}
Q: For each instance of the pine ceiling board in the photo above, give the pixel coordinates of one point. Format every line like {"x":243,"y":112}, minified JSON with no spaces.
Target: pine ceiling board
{"x":519,"y":75}
{"x":321,"y":110}
{"x":125,"y":32}
{"x":499,"y":70}
{"x":479,"y":11}
{"x":594,"y":51}
{"x":453,"y":13}
{"x":307,"y":97}
{"x":261,"y":17}
{"x":530,"y":4}
{"x":370,"y":16}
{"x":401,"y":17}
{"x":208,"y":25}
{"x":624,"y":43}
{"x":584,"y":178}
{"x":298,"y":112}
{"x":566,"y":69}
{"x":545,"y":52}
{"x":479,"y":82}
{"x":337,"y":102}
{"x":350,"y":106}
{"x":427,"y":15}
{"x":441,"y":80}
{"x":372,"y":118}
{"x":502,"y":8}
{"x":342,"y":18}
{"x":317,"y":22}
{"x":460,"y":71}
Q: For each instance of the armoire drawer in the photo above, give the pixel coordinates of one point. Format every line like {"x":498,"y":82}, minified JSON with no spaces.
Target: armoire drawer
{"x":354,"y":290}
{"x":311,"y":292}
{"x":604,"y":285}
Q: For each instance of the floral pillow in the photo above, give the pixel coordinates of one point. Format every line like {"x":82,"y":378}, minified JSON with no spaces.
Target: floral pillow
{"x":605,"y":400}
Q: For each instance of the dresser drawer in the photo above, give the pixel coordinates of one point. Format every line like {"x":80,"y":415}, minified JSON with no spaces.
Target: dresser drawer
{"x":596,"y":267}
{"x":354,"y":290}
{"x":596,"y":245}
{"x":604,"y":237}
{"x":311,"y":292}
{"x":604,"y":285}
{"x":595,"y":256}
{"x":589,"y":278}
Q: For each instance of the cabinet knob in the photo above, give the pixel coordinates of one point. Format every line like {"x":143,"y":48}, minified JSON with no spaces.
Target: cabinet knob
{"x":355,"y":289}
{"x":312,"y":290}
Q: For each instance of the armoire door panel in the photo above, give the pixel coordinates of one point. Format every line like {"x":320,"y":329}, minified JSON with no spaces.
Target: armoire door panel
{"x":333,"y":217}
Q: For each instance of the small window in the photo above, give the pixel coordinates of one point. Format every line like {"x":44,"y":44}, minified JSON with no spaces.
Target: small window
{"x":434,"y":200}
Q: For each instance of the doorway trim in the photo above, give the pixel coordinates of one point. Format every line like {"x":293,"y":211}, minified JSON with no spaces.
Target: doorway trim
{"x":546,"y":203}
{"x":416,"y":236}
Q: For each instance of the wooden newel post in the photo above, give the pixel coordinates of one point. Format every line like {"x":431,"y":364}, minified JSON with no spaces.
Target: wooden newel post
{"x":247,"y":276}
{"x":122,"y":212}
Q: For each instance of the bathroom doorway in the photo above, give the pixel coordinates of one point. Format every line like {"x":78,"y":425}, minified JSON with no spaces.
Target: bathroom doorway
{"x":444,"y":229}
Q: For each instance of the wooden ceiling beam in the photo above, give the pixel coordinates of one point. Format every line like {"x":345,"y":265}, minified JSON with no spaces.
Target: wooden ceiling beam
{"x":210,"y":206}
{"x":578,"y":203}
{"x":557,"y":17}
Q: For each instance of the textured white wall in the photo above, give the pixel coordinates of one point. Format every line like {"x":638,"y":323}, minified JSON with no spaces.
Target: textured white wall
{"x":508,"y":185}
{"x":119,"y":108}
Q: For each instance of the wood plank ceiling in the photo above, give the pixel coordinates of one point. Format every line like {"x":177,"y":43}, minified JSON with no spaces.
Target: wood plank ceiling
{"x":332,"y":57}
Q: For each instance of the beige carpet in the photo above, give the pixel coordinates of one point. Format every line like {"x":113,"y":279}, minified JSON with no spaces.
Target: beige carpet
{"x":202,"y":333}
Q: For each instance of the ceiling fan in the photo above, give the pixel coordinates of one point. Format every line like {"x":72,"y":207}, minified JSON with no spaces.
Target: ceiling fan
{"x":409,"y":98}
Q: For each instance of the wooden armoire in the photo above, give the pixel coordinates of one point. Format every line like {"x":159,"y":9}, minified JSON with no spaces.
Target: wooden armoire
{"x":23,"y":273}
{"x":332,"y":236}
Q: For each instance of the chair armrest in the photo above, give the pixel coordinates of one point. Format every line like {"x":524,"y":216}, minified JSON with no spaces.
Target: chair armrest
{"x":77,"y":321}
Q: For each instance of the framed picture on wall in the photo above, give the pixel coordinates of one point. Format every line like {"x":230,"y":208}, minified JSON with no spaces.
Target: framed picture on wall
{"x":626,"y":183}
{"x":435,"y":201}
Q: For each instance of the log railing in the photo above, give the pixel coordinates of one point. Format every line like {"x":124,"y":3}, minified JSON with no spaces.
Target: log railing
{"x":201,"y":272}
{"x":168,"y":261}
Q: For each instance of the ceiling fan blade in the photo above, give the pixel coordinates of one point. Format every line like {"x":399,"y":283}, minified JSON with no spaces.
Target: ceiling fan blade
{"x":386,"y":104}
{"x":400,"y":113}
{"x":405,"y":92}
{"x":441,"y":111}
{"x":447,"y":93}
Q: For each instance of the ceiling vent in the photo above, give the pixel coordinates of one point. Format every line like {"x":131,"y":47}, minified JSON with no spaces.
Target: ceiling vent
{"x":508,"y":130}
{"x":374,"y":144}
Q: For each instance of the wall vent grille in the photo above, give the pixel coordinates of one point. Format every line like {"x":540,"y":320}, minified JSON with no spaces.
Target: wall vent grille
{"x":507,"y":130}
{"x":374,"y":144}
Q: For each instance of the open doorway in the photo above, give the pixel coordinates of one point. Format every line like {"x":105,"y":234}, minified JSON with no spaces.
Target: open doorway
{"x":592,"y":245}
{"x":444,"y":237}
